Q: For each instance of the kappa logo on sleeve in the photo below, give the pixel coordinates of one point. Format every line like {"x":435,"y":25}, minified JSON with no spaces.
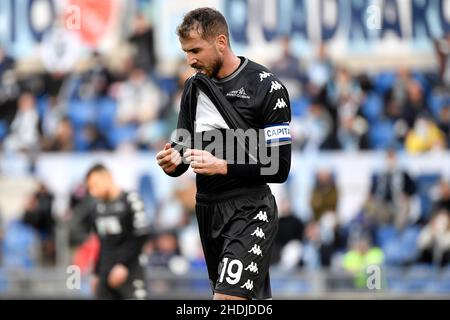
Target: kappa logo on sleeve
{"x":281,"y":104}
{"x":275,"y":86}
{"x":263,"y":75}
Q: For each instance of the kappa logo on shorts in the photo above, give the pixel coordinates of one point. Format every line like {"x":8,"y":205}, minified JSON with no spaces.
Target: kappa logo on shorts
{"x":259,"y":233}
{"x":262,"y":215}
{"x":256,"y":250}
{"x":263,"y":75}
{"x":252,"y":267}
{"x":248,"y":285}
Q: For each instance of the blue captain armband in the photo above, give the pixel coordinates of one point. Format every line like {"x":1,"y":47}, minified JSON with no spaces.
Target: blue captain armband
{"x":277,"y":134}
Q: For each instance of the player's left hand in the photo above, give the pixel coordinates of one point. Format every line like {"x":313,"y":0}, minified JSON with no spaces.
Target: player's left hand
{"x":203,"y":162}
{"x":117,"y":276}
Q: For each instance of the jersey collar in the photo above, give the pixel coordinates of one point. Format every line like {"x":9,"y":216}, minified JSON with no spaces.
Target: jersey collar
{"x":235,"y":73}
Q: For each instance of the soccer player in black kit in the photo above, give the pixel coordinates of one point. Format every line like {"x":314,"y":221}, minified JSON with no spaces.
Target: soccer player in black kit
{"x":119,"y":220}
{"x":236,"y":211}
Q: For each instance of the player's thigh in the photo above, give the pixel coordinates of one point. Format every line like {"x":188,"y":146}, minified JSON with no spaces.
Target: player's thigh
{"x":207,"y":218}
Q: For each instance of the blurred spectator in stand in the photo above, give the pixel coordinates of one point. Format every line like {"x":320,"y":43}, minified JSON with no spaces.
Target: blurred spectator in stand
{"x":53,"y":82}
{"x":319,"y":71}
{"x":39,"y":215}
{"x":323,"y":229}
{"x":434,"y":240}
{"x":6,"y":62}
{"x":185,"y":193}
{"x":442,"y":47}
{"x":139,"y":104}
{"x":325,"y":194}
{"x":444,"y":123}
{"x":97,"y":79}
{"x":395,"y":100}
{"x":392,"y":192}
{"x":165,"y":248}
{"x":361,"y":255}
{"x":63,"y":140}
{"x":184,"y":72}
{"x":440,"y":196}
{"x":424,"y":136}
{"x":398,"y":93}
{"x":290,"y":233}
{"x":352,"y":132}
{"x":287,"y":69}
{"x":9,"y":89}
{"x":9,"y":96}
{"x":52,"y":118}
{"x":79,"y":216}
{"x":142,"y":38}
{"x":313,"y":131}
{"x":415,"y":103}
{"x":24,"y":131}
{"x":2,"y":235}
{"x":94,"y":139}
{"x":343,"y":96}
{"x":347,"y":97}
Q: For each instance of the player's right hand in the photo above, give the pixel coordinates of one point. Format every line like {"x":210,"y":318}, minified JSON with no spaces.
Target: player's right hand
{"x":117,"y":276}
{"x":168,"y":158}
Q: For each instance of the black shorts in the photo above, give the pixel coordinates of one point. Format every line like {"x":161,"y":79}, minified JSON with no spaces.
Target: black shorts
{"x":237,"y":231}
{"x":134,"y":288}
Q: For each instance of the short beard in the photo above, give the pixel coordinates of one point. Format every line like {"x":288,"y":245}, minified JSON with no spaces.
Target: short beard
{"x":215,"y":67}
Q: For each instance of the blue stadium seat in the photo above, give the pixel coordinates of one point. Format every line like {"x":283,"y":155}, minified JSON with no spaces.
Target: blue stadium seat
{"x":18,"y":246}
{"x":106,"y":115}
{"x":300,"y":106}
{"x":3,"y":129}
{"x":122,"y":134}
{"x":42,"y":105}
{"x":398,"y":285}
{"x":436,"y":102}
{"x":80,"y":141}
{"x":3,"y":281}
{"x":384,"y":235}
{"x":81,"y":113}
{"x":424,"y":183}
{"x":381,"y":135}
{"x":424,"y":82}
{"x":147,"y":193}
{"x":167,"y":84}
{"x":372,"y":107}
{"x":384,"y":81}
{"x":439,"y":286}
{"x":402,"y":248}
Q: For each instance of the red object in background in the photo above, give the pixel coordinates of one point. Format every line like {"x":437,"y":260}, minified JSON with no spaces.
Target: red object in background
{"x":86,"y":254}
{"x":96,"y":18}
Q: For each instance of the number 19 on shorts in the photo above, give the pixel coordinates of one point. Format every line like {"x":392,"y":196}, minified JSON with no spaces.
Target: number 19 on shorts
{"x":233,"y":271}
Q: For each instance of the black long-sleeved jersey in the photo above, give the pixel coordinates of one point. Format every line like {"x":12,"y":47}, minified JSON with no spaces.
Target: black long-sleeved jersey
{"x":263,"y":103}
{"x":122,"y":227}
